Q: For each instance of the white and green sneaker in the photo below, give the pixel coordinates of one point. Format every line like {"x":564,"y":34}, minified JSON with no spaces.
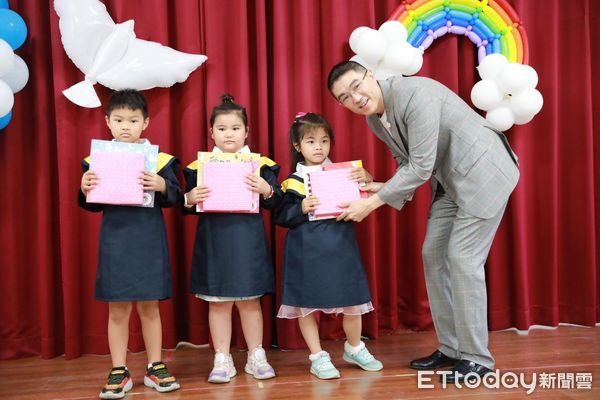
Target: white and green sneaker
{"x":362,"y":358}
{"x":321,"y":366}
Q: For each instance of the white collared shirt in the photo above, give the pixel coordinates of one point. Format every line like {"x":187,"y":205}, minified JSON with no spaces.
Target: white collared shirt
{"x":139,"y":141}
{"x":243,"y":150}
{"x":386,"y":124}
{"x":301,"y":168}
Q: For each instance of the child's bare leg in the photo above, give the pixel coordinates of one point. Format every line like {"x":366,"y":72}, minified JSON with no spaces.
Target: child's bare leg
{"x":252,"y":322}
{"x":118,"y":331}
{"x":219,"y":320}
{"x":151,"y":329}
{"x":352,"y":327}
{"x":310,"y":332}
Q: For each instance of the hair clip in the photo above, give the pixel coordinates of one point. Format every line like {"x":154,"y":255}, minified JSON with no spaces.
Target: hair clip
{"x":300,"y":114}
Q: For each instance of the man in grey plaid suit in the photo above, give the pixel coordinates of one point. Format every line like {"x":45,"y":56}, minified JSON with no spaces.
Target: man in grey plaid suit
{"x":434,"y":135}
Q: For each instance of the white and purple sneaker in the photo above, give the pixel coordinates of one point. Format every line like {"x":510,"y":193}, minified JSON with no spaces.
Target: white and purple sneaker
{"x":223,"y":369}
{"x":257,"y":364}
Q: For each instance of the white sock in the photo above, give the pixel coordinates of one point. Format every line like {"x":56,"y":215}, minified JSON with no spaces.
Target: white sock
{"x":316,"y":356}
{"x":149,"y":365}
{"x":353,"y":350}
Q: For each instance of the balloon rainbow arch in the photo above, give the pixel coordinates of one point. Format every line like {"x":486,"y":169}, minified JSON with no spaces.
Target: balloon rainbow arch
{"x":493,"y":25}
{"x":507,"y":90}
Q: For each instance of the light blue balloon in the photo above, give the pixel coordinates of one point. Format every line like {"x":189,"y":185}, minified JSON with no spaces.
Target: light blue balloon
{"x":5,"y":120}
{"x":4,"y":4}
{"x":12,"y":28}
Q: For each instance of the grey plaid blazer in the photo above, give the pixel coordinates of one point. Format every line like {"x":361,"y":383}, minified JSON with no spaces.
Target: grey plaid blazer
{"x":434,"y":133}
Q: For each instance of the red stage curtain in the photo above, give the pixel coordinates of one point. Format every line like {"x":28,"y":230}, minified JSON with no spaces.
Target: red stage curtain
{"x":274,"y":56}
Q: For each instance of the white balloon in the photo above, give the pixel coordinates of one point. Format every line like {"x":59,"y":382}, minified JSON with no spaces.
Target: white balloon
{"x":415,"y":64}
{"x":383,"y":73}
{"x":18,"y":76}
{"x":492,"y":65}
{"x":532,"y":76}
{"x":7,"y":57}
{"x":110,"y":54}
{"x":355,"y":36}
{"x":362,"y":62}
{"x":371,"y":46}
{"x":523,"y":120}
{"x":501,"y":117}
{"x":399,"y":56}
{"x":526,"y":103}
{"x":394,"y":31}
{"x":7,"y":99}
{"x":514,"y":78}
{"x":486,"y":95}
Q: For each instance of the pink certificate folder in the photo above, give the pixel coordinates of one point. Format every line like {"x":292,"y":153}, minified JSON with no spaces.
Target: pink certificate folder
{"x":332,"y":187}
{"x":119,"y":173}
{"x":228,"y":189}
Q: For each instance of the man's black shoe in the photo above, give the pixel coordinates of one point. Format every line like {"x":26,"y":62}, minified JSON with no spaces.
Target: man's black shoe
{"x":464,"y":368}
{"x":437,"y":359}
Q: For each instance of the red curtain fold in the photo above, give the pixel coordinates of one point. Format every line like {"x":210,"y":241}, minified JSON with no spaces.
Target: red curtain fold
{"x":274,"y":57}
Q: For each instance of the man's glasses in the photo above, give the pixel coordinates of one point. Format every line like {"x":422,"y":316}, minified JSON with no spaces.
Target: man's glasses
{"x":346,"y":98}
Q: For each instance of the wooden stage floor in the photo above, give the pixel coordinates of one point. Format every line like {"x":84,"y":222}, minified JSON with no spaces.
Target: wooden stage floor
{"x":569,"y":356}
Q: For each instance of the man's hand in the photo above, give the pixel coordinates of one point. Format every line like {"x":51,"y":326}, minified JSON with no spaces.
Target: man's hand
{"x":372,"y":187}
{"x":358,"y":210}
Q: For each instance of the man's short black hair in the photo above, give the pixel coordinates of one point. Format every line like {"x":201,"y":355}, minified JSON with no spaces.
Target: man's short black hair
{"x":340,"y":69}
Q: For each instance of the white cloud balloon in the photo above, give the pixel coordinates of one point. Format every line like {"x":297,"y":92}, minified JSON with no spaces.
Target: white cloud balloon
{"x":355,"y":37}
{"x":486,"y":95}
{"x":491,"y":65}
{"x":385,"y":51}
{"x":394,"y":32}
{"x":111,"y":55}
{"x":507,"y":92}
{"x":501,"y":117}
{"x":528,"y":102}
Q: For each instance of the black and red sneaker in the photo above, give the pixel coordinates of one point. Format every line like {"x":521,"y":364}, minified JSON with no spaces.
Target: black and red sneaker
{"x":119,"y":382}
{"x":159,"y":378}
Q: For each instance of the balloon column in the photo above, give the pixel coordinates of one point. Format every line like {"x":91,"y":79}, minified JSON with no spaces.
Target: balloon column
{"x":14,"y":73}
{"x":507,"y":91}
{"x":110,"y":54}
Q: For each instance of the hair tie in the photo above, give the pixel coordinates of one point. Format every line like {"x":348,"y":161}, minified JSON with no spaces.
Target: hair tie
{"x":299,"y":115}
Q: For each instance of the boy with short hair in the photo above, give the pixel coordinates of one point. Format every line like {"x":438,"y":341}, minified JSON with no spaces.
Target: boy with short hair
{"x":133,"y":262}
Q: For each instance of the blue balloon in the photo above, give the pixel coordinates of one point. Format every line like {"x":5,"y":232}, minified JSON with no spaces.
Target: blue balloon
{"x":5,"y":120}
{"x":4,"y":4}
{"x":12,"y":28}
